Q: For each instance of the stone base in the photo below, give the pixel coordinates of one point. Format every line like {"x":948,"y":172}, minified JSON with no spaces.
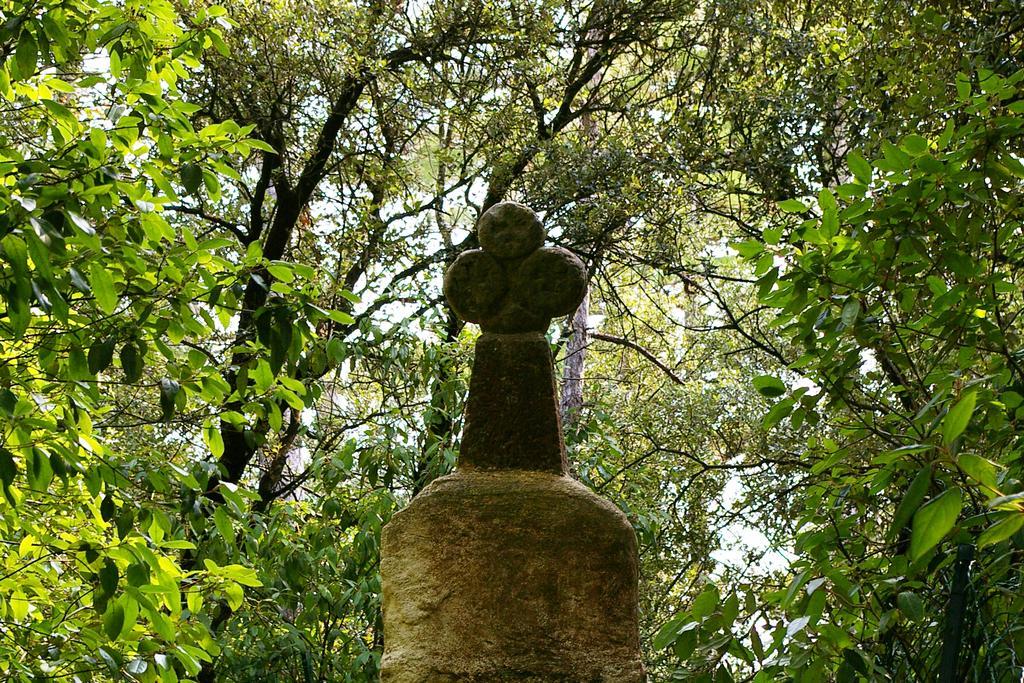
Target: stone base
{"x":510,"y":576}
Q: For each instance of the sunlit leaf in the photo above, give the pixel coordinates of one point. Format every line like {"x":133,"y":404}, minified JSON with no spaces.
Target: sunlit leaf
{"x":769,"y":386}
{"x":958,"y":417}
{"x":933,"y":521}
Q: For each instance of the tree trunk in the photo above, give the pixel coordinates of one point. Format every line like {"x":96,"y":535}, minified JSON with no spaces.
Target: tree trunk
{"x":575,"y":361}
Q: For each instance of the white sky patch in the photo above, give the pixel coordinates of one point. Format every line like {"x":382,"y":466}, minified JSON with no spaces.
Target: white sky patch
{"x":868,"y":361}
{"x":678,"y":316}
{"x":806,"y":383}
{"x":739,"y":541}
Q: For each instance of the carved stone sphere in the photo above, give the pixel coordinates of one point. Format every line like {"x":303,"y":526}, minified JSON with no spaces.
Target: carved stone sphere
{"x":474,"y":285}
{"x":551,"y":281}
{"x":513,"y":284}
{"x":510,"y":230}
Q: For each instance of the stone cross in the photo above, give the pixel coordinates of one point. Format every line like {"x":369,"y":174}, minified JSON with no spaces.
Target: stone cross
{"x":512,"y":287}
{"x":513,"y":283}
{"x":508,"y":569}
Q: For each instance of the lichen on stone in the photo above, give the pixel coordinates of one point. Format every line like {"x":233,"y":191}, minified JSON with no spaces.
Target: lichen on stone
{"x":513,"y":283}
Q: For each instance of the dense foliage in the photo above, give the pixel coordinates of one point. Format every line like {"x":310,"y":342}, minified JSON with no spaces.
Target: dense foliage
{"x":901,"y":301}
{"x":103,"y":300}
{"x":225,"y":359}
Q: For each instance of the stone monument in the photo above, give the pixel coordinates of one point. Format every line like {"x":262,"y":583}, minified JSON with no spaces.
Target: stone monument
{"x":508,"y":569}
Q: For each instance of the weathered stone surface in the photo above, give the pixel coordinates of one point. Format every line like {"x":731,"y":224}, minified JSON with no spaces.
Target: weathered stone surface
{"x":510,"y":230}
{"x":475,"y":284}
{"x":513,"y":284}
{"x":509,"y":576}
{"x":512,"y":419}
{"x":508,"y":570}
{"x":551,"y":281}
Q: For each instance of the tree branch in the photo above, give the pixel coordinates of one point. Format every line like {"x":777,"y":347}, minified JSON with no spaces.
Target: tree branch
{"x":233,"y":228}
{"x":622,"y":341}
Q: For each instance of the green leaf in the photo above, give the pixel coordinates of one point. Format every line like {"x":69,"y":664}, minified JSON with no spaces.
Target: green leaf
{"x":188,"y":661}
{"x":224,"y":527}
{"x":1008,"y":502}
{"x":914,"y":144}
{"x":895,"y":158}
{"x":26,"y":55}
{"x":113,"y":620}
{"x":281,"y":271}
{"x":8,"y":467}
{"x":161,"y":624}
{"x":793,"y":206}
{"x":686,"y":640}
{"x":131,"y":614}
{"x":778,"y":412}
{"x":8,"y":402}
{"x":705,"y":603}
{"x":341,"y":317}
{"x":963,"y":87}
{"x":101,"y":354}
{"x":730,"y":609}
{"x":137,"y":574}
{"x":102,"y":284}
{"x":111,"y":658}
{"x":78,"y":282}
{"x":40,"y":473}
{"x":242,"y":574}
{"x":979,"y":469}
{"x":1011,"y":399}
{"x":794,"y":586}
{"x":212,"y":185}
{"x":234,"y":594}
{"x":194,"y":600}
{"x":17,"y":605}
{"x":54,"y":30}
{"x":214,"y":439}
{"x":851,"y":191}
{"x":748,"y":248}
{"x":115,"y":32}
{"x":1001,"y":530}
{"x":81,"y":223}
{"x":911,"y":605}
{"x":108,"y":508}
{"x":58,"y":110}
{"x":108,"y":576}
{"x":769,"y":386}
{"x":859,"y":166}
{"x":260,"y":145}
{"x":667,"y":633}
{"x":191,"y":178}
{"x":829,"y":228}
{"x":132,"y":362}
{"x":218,"y":43}
{"x":827,"y":200}
{"x":933,"y":521}
{"x":958,"y":417}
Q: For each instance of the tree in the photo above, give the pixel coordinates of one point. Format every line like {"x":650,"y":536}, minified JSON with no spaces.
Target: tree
{"x":897,"y":305}
{"x":227,"y":360}
{"x":905,"y":302}
{"x":104,"y":304}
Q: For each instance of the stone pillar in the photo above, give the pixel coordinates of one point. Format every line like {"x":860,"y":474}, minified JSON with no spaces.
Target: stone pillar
{"x":508,"y":569}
